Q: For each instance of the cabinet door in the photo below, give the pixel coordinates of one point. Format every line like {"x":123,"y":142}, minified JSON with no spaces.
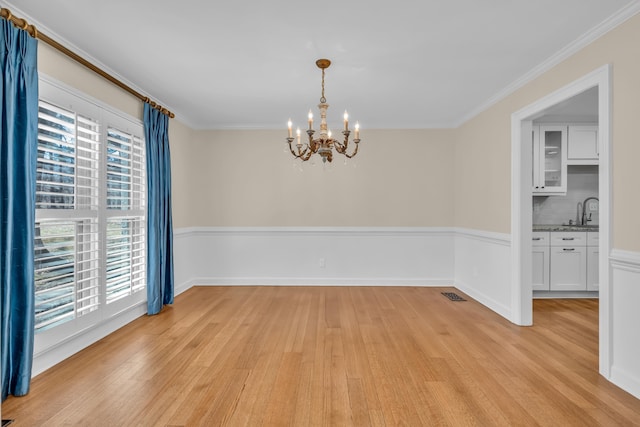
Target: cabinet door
{"x":582,"y":145}
{"x":593,"y":268}
{"x":568,"y":269}
{"x":551,"y":161}
{"x":540,"y":278}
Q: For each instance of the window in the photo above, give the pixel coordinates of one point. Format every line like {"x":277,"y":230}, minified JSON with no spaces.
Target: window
{"x":90,"y":247}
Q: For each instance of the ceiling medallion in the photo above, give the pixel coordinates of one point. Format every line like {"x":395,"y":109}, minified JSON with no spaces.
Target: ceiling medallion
{"x":324,"y":144}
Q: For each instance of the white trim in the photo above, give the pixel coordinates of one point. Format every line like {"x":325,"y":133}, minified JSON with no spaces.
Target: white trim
{"x":572,"y":48}
{"x":325,"y":281}
{"x":625,"y":260}
{"x":485,"y":236}
{"x":323,"y":231}
{"x":521,"y":208}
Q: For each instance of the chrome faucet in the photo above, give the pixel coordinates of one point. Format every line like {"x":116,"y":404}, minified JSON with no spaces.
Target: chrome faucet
{"x":584,"y":219}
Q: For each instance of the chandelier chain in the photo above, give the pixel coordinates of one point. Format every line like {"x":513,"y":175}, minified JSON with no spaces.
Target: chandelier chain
{"x":322,"y":98}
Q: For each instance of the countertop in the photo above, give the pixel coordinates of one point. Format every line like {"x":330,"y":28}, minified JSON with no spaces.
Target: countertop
{"x":561,"y":227}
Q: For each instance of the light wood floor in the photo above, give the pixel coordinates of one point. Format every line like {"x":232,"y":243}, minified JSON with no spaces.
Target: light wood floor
{"x":334,"y":356}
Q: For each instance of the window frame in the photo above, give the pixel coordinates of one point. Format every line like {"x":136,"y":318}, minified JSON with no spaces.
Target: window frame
{"x":63,"y":96}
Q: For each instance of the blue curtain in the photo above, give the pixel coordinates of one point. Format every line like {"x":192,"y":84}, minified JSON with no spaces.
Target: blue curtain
{"x":18,"y":152}
{"x":159,"y":223}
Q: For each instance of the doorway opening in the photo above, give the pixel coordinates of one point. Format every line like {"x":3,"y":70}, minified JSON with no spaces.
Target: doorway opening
{"x":522,"y":124}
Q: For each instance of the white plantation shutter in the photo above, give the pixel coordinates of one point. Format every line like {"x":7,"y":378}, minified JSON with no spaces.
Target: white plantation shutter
{"x":66,"y":238}
{"x":126,"y":257}
{"x":90,"y":240}
{"x":126,"y":227}
{"x":55,"y":265}
{"x":126,"y":164}
{"x":66,"y":271}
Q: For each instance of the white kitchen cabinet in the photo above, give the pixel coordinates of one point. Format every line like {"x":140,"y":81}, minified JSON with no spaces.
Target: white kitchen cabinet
{"x":568,"y":261}
{"x":582,"y":145}
{"x":540,"y":267}
{"x":549,"y":145}
{"x":593,"y":266}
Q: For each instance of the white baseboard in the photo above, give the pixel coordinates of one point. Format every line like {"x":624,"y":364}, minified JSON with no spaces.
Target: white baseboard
{"x":325,"y":281}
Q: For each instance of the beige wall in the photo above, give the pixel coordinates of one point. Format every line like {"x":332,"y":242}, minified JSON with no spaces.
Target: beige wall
{"x":483,"y":145}
{"x":62,"y":68}
{"x":182,"y":158}
{"x":244,"y":178}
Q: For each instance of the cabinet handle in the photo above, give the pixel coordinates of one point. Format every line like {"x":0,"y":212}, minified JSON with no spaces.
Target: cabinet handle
{"x":537,"y":238}
{"x":568,"y":238}
{"x":568,"y":249}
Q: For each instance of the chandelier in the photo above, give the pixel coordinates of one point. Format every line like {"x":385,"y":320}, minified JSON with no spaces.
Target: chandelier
{"x":324,"y":144}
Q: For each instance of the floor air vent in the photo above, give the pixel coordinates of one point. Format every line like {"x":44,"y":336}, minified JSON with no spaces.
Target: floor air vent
{"x":453,"y":296}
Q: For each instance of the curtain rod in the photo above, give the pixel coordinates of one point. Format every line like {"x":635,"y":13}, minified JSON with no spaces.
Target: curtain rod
{"x":33,"y":32}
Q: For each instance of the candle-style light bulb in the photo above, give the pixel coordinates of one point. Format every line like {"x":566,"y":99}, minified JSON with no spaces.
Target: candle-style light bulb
{"x":329,"y":133}
{"x":357,"y":130}
{"x":298,"y":135}
{"x":310,"y":120}
{"x":346,"y":120}
{"x":289,"y":124}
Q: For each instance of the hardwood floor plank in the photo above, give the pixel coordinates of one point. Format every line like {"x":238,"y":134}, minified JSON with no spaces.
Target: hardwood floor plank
{"x":348,"y":356}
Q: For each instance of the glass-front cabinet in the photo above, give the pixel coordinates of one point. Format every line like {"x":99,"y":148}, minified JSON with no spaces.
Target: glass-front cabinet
{"x":549,"y":159}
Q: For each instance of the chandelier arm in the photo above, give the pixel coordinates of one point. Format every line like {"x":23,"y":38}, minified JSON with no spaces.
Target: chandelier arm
{"x":309,"y":153}
{"x":355,"y":151}
{"x":300,"y":153}
{"x":314,"y":144}
{"x":342,"y":148}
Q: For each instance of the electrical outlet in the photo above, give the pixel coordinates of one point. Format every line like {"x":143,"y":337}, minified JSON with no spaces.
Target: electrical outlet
{"x":322,"y":263}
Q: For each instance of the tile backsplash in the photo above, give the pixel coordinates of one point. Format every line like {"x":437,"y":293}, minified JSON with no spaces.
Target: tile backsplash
{"x":582,"y":182}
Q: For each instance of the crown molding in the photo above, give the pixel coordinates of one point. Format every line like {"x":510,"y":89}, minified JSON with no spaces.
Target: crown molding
{"x":580,"y":43}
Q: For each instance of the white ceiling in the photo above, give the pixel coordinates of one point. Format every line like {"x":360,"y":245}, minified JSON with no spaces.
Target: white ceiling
{"x":231,"y":64}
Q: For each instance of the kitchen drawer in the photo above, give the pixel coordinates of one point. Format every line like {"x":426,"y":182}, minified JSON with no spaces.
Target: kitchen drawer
{"x":569,"y":238}
{"x":593,"y":238}
{"x":540,"y":238}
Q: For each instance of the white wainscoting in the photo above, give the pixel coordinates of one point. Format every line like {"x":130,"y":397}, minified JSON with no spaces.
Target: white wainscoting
{"x":625,"y":318}
{"x":483,"y":268}
{"x":314,"y":256}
